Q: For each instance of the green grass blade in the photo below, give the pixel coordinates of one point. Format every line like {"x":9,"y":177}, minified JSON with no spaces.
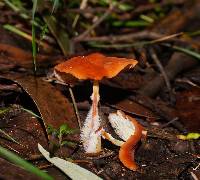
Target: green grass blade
{"x":185,"y":50}
{"x":24,"y":164}
{"x":16,"y":31}
{"x":32,"y":113}
{"x":45,"y":27}
{"x":34,"y":50}
{"x":9,"y":137}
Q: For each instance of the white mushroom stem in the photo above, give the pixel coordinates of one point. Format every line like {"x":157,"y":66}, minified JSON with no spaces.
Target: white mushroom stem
{"x":95,"y":98}
{"x":91,"y":131}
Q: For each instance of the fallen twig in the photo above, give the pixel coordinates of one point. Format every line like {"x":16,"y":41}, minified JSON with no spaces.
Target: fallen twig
{"x":162,"y":71}
{"x":146,"y":34}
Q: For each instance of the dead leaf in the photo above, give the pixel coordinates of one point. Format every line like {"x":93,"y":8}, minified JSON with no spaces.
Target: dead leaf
{"x":135,"y":108}
{"x":188,"y":105}
{"x":12,"y":56}
{"x":74,"y":171}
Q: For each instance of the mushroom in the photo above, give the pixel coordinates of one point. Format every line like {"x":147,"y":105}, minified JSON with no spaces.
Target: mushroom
{"x":129,"y":130}
{"x":94,"y":67}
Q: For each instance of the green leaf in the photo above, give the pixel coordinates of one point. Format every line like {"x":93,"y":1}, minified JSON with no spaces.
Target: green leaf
{"x":51,"y":130}
{"x":65,"y":129}
{"x":74,"y":171}
{"x":22,"y":163}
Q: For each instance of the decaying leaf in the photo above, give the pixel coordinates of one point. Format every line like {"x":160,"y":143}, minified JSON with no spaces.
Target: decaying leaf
{"x":54,"y":108}
{"x":74,"y":171}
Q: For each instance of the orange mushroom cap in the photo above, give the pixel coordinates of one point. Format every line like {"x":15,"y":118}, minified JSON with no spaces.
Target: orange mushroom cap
{"x":127,"y":150}
{"x":94,"y":66}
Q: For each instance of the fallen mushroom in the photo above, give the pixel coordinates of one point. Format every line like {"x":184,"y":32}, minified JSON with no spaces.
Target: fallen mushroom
{"x":94,"y":67}
{"x":129,"y":130}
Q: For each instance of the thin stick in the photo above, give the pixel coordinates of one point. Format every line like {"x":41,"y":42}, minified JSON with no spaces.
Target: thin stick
{"x":139,"y":43}
{"x":170,"y":122}
{"x":133,"y":36}
{"x":162,"y":71}
{"x":75,"y":106}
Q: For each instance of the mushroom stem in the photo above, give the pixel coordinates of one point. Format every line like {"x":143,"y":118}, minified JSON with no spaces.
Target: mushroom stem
{"x":95,"y":98}
{"x":91,"y":131}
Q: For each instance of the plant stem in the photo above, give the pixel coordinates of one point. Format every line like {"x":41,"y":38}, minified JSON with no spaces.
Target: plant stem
{"x":75,"y":106}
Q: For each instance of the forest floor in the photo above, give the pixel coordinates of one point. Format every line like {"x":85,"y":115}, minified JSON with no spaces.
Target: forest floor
{"x":162,"y":92}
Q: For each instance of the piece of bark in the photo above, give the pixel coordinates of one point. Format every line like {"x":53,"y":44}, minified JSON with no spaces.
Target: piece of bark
{"x":12,"y":56}
{"x":179,"y":62}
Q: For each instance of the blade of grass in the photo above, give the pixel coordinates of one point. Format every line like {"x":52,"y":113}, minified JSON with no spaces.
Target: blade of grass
{"x":45,"y":27}
{"x":22,"y":163}
{"x":31,"y":112}
{"x":25,"y":35}
{"x":9,"y":137}
{"x":24,"y":13}
{"x":16,"y":9}
{"x":34,"y":51}
{"x":146,"y":18}
{"x":184,"y":50}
